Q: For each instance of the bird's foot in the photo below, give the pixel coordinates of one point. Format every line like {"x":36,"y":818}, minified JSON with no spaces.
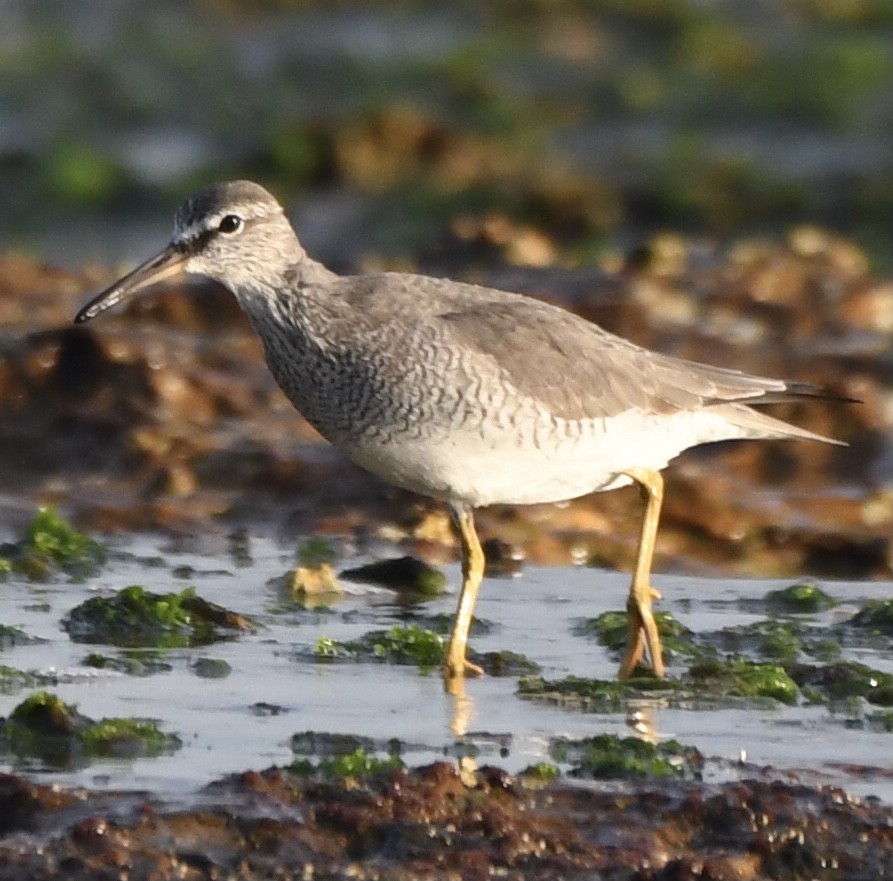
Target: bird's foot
{"x":635,"y":651}
{"x":456,"y":668}
{"x":642,"y":632}
{"x":632,"y":665}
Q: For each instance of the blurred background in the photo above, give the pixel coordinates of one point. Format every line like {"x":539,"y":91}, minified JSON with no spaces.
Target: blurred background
{"x":392,"y":128}
{"x":713,"y":180}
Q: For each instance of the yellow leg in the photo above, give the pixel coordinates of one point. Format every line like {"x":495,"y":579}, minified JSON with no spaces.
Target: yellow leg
{"x":462,"y":709}
{"x":454,"y":662}
{"x":640,"y":619}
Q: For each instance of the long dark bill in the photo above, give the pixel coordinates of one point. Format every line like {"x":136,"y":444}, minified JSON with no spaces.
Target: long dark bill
{"x":170,"y":261}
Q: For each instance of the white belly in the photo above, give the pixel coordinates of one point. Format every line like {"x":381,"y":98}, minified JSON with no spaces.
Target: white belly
{"x":500,"y":467}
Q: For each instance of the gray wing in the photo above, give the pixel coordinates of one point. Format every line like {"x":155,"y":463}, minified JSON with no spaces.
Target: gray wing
{"x":577,"y":370}
{"x":571,"y":366}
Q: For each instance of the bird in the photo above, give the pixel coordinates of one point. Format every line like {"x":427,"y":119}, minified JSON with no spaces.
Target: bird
{"x":466,"y":394}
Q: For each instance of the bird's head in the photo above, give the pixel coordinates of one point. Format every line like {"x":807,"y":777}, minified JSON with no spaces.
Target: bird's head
{"x":235,"y":233}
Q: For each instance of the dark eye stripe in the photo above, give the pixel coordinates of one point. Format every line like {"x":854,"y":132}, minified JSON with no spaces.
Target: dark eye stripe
{"x":196,"y":243}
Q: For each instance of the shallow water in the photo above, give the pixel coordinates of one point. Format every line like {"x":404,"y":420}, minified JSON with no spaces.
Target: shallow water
{"x":222,"y":731}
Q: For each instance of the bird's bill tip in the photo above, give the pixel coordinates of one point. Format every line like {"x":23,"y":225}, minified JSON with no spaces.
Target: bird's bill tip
{"x":169,"y":262}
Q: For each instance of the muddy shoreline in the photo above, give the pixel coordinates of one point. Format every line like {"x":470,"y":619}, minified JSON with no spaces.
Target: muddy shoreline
{"x":428,"y":823}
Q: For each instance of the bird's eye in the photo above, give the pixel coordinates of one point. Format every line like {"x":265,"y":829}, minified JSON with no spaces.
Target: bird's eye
{"x":229,"y":224}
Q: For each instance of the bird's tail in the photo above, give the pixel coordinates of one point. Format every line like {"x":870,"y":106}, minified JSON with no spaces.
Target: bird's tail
{"x":756,"y":425}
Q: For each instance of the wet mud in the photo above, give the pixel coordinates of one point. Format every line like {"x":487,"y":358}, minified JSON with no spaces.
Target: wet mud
{"x":429,"y":823}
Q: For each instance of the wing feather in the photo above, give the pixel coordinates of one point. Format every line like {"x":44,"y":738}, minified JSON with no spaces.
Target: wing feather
{"x":577,"y":370}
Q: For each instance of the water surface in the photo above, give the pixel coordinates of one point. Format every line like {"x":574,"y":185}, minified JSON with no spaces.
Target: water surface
{"x":276,"y":688}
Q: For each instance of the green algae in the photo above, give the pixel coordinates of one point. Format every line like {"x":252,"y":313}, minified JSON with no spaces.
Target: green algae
{"x":783,"y":640}
{"x":882,"y":721}
{"x":135,"y":616}
{"x":43,"y":713}
{"x":707,"y":680}
{"x":409,"y":645}
{"x":211,"y":668}
{"x":610,"y":630}
{"x":825,"y":649}
{"x":769,"y":639}
{"x":358,"y":764}
{"x":328,"y":743}
{"x":44,"y":725}
{"x":12,"y":636}
{"x":782,"y":678}
{"x":541,"y":772}
{"x":505,"y":663}
{"x":591,"y":695}
{"x":442,"y":623}
{"x":128,"y":738}
{"x":13,"y":680}
{"x":737,"y":677}
{"x":412,"y":645}
{"x":52,"y":545}
{"x":875,"y":617}
{"x":844,"y":681}
{"x":315,"y":552}
{"x":131,"y":663}
{"x":779,"y":642}
{"x":800,"y":599}
{"x":611,"y":757}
